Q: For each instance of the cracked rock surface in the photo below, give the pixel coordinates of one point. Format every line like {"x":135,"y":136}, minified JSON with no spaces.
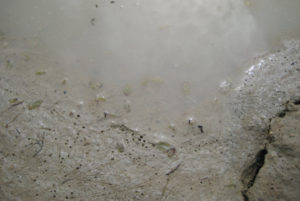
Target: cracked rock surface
{"x":54,"y":148}
{"x":279,"y":178}
{"x":270,"y":92}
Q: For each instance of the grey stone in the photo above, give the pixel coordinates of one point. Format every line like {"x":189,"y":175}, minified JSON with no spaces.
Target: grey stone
{"x":279,"y":178}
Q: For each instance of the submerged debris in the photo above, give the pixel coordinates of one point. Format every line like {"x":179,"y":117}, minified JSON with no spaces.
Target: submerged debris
{"x":166,"y":148}
{"x":172,"y":127}
{"x":110,"y":115}
{"x":100,"y":98}
{"x":40,"y":73}
{"x":40,"y":142}
{"x":9,"y":63}
{"x":120,"y":147}
{"x":35,"y":105}
{"x":171,"y":152}
{"x":127,"y":106}
{"x":191,"y":121}
{"x":201,"y":128}
{"x":186,"y":88}
{"x":163,"y":146}
{"x":153,"y":80}
{"x":93,"y":21}
{"x":95,"y":84}
{"x":13,"y":101}
{"x":126,"y":90}
{"x":123,"y":127}
{"x":173,"y":170}
{"x":16,"y":104}
{"x":64,"y":81}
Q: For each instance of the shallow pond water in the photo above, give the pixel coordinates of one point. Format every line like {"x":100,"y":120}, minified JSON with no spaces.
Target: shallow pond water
{"x":150,"y":62}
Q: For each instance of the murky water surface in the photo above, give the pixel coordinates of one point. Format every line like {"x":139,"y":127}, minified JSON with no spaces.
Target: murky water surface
{"x":149,"y":62}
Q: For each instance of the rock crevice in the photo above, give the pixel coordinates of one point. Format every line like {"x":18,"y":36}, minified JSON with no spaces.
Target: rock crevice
{"x":250,"y":173}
